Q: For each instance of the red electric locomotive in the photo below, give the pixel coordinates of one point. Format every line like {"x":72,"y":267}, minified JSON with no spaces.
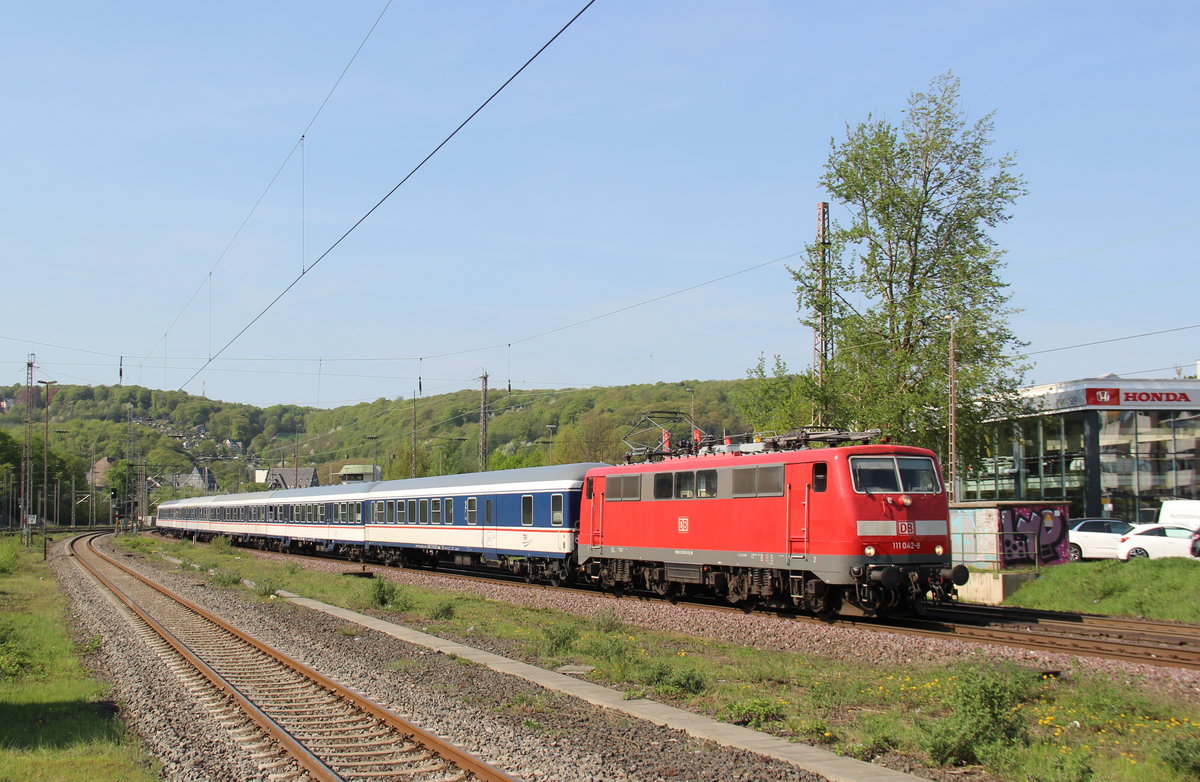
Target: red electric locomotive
{"x":776,"y":521}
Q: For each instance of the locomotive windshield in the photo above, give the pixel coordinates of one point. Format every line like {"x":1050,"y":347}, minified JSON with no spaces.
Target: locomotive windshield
{"x":883,"y":474}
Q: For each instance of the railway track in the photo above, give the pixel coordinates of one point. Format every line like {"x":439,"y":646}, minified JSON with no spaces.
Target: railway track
{"x":1121,"y":638}
{"x":295,"y":722}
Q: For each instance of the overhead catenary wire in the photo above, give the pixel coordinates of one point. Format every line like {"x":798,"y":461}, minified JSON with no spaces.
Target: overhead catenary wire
{"x":388,"y":195}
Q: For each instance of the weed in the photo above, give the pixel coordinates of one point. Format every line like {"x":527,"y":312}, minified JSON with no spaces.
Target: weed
{"x":754,"y":712}
{"x":383,"y":592}
{"x":225,"y":578}
{"x":560,"y":638}
{"x":220,"y":545}
{"x":613,"y":648}
{"x":91,"y":646}
{"x":983,"y":712}
{"x":349,"y":631}
{"x":531,"y":724}
{"x":10,"y":553}
{"x":676,"y":681}
{"x":266,"y":587}
{"x":1183,"y":753}
{"x":291,"y":568}
{"x":442,"y":611}
{"x":607,"y":622}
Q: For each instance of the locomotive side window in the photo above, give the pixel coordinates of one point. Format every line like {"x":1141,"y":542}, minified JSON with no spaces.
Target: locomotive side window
{"x":820,"y":476}
{"x":625,"y":487}
{"x":770,"y":481}
{"x":744,"y":483}
{"x":556,"y":510}
{"x":917,"y":474}
{"x":472,"y":510}
{"x":527,"y":510}
{"x":685,"y":483}
{"x":633,"y":487}
{"x":706,"y":483}
{"x":663,"y":485}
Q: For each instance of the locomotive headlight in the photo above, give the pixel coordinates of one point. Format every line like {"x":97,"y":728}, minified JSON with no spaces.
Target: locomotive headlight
{"x":869,"y":551}
{"x":905,"y":500}
{"x":939,"y":549}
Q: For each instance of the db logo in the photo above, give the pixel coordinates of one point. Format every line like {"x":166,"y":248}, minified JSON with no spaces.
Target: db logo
{"x":908,"y":528}
{"x":683,"y":523}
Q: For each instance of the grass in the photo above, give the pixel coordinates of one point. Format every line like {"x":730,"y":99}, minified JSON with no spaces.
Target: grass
{"x":1008,"y":720}
{"x":56,"y":721}
{"x":1164,"y":589}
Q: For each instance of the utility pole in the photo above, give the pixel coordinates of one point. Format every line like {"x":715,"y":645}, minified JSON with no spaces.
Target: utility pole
{"x":952,"y":456}
{"x":27,"y":450}
{"x":820,"y":333}
{"x":414,"y":437}
{"x":483,"y":425}
{"x":46,"y":452}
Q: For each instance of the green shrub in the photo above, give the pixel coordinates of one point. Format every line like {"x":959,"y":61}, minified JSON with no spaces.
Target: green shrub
{"x":613,"y":648}
{"x":982,"y":714}
{"x":221,"y":545}
{"x":685,"y":681}
{"x":560,"y":638}
{"x":754,"y":712}
{"x":383,"y":592}
{"x":442,"y":611}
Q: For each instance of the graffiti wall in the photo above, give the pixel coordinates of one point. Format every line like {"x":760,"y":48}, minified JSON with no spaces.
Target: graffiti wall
{"x":1009,"y":535}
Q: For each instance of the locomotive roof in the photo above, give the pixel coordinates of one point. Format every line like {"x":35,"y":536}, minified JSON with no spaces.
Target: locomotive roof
{"x":721,"y":458}
{"x":555,"y":473}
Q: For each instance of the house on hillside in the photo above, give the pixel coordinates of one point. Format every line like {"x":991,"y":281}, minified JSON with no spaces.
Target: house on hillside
{"x":98,"y":474}
{"x":359,"y":473}
{"x":287,"y":477}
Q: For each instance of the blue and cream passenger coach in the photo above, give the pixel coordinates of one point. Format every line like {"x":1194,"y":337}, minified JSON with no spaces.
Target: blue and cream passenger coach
{"x":524,"y":519}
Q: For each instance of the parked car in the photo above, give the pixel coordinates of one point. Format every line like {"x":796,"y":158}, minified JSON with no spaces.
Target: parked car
{"x":1095,"y":538}
{"x":1157,"y":541}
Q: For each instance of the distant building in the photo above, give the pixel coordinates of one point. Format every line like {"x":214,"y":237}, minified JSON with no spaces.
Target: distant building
{"x":1108,"y":446}
{"x":359,"y":473}
{"x":199,"y":478}
{"x":287,"y":477}
{"x":98,"y":474}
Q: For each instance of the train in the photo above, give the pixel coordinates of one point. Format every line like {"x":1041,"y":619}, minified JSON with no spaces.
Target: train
{"x":849,"y":527}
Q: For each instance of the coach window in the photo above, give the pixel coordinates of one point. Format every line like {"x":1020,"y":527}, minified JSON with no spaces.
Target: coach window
{"x":820,"y":476}
{"x":706,"y":483}
{"x":487,"y":515}
{"x":424,"y":511}
{"x":449,"y":510}
{"x":321,"y":513}
{"x":527,"y":510}
{"x":664,"y":485}
{"x":270,"y":513}
{"x":412,"y":512}
{"x":556,"y":510}
{"x":436,"y":507}
{"x":472,"y":510}
{"x":400,"y":511}
{"x":380,"y":512}
{"x":685,"y":485}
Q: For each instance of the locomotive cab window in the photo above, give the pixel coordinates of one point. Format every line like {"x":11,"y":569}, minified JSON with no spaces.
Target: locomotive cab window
{"x":820,"y":476}
{"x":890,"y":474}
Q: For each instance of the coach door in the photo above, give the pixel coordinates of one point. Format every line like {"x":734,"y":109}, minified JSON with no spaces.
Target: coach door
{"x":490,"y":541}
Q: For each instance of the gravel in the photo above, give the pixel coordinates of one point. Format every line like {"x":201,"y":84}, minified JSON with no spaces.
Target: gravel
{"x":526,"y":730}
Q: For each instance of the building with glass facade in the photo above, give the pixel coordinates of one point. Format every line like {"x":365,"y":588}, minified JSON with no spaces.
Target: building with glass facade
{"x":1108,"y":446}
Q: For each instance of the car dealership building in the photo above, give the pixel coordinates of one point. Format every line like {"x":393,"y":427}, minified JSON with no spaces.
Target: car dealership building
{"x":1108,"y":446}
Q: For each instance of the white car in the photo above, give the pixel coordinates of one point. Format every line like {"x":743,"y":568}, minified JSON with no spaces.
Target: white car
{"x":1157,"y":541}
{"x":1095,"y":538}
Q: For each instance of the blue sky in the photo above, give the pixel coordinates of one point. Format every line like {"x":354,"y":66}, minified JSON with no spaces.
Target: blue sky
{"x":654,"y":146}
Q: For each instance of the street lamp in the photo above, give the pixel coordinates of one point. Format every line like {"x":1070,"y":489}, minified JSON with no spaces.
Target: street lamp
{"x":46,"y":446}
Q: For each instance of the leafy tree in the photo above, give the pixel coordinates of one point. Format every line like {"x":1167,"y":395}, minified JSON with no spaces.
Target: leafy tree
{"x":915,"y":260}
{"x":774,"y":402}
